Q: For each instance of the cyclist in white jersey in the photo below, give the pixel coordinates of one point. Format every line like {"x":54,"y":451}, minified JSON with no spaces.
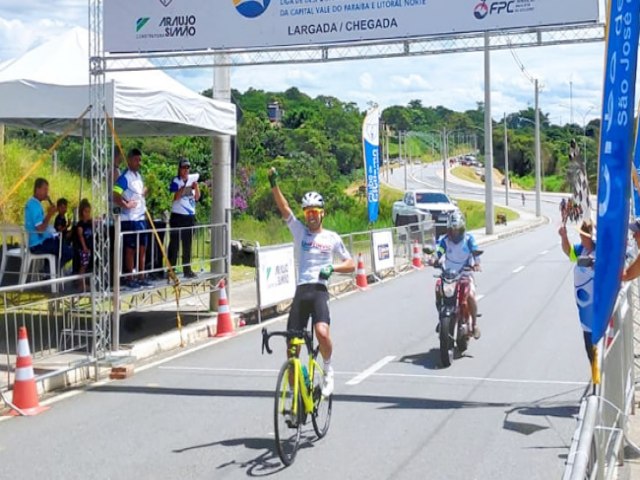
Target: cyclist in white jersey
{"x":315,"y":248}
{"x":458,"y":248}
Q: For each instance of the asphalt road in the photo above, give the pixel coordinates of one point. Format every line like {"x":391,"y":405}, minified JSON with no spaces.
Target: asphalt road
{"x":506,"y":410}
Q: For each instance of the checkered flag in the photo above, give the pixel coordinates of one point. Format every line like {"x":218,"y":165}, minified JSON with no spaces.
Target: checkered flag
{"x":578,"y":180}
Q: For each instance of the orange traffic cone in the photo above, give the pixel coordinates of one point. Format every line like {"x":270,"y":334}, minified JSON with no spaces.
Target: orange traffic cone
{"x":225,"y":322}
{"x":416,"y":261}
{"x":25,"y":392}
{"x":361,"y":274}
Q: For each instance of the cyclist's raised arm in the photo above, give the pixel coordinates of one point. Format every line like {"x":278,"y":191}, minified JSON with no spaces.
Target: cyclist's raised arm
{"x":281,"y":202}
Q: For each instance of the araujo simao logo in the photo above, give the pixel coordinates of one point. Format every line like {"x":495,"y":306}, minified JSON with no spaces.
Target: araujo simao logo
{"x":251,"y":8}
{"x":481,"y":10}
{"x":141,"y":22}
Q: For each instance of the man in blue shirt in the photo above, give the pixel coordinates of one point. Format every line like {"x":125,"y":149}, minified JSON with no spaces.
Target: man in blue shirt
{"x":42,"y":236}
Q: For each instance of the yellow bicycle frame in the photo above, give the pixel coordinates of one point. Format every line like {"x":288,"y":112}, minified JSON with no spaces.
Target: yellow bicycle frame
{"x":298,"y":381}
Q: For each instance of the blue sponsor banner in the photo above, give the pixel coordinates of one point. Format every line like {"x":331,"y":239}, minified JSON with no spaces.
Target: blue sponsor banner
{"x":614,"y":174}
{"x":636,"y":175}
{"x":371,"y":148}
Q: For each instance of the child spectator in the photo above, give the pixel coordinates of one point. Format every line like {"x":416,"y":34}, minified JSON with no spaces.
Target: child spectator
{"x":83,"y":243}
{"x":61,"y":223}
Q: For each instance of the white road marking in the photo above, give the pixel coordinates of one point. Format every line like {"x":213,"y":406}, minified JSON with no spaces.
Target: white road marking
{"x":371,"y":370}
{"x":544,"y":252}
{"x":482,"y":379}
{"x":479,"y":297}
{"x":519,"y":269}
{"x":235,"y":370}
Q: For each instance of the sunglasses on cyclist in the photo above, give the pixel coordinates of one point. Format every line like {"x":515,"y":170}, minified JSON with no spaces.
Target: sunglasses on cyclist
{"x":313,"y":211}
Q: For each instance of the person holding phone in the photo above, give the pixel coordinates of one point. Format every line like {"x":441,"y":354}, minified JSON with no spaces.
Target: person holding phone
{"x":186,"y":193}
{"x":583,"y":254}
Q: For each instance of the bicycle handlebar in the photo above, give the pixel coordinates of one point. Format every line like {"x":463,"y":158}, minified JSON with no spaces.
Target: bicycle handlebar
{"x":288,"y":334}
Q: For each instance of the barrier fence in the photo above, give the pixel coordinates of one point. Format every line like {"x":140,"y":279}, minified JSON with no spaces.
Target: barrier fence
{"x":384,"y":252}
{"x":597,"y":445}
{"x":58,"y":313}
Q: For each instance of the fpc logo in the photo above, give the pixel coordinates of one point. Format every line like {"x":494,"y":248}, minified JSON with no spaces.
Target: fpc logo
{"x":251,"y":8}
{"x":481,"y":10}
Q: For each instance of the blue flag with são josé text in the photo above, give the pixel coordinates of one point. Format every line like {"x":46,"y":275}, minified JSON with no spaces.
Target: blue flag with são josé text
{"x":371,"y":149}
{"x":614,"y":170}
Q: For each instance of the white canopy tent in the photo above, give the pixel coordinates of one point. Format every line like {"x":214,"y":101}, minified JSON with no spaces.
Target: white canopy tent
{"x":47,"y":88}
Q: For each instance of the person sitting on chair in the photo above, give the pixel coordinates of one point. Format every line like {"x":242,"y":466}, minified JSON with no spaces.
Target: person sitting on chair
{"x":43,"y":239}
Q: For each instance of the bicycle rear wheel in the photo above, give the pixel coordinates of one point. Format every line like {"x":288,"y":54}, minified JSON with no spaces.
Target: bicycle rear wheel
{"x":286,"y":422}
{"x":321,"y":415}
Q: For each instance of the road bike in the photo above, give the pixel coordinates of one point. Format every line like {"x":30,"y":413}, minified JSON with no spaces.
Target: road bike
{"x":298,"y":393}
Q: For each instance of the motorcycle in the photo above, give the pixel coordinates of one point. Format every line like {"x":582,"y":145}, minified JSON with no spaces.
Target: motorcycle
{"x":455,"y":326}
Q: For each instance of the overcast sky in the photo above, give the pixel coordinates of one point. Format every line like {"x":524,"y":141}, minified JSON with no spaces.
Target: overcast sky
{"x":453,"y":80}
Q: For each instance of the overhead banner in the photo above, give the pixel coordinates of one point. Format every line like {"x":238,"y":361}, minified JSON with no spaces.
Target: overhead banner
{"x":132,"y":26}
{"x":614,"y":171}
{"x":371,"y":150}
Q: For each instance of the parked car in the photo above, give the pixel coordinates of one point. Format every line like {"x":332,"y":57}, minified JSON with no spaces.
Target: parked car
{"x":420,"y":205}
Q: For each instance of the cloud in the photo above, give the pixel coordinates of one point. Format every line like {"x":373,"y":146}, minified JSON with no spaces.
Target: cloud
{"x":366,"y":81}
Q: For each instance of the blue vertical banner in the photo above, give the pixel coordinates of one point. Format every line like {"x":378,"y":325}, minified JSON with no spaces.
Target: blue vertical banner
{"x":371,"y":149}
{"x":614,"y":168}
{"x":635,"y":173}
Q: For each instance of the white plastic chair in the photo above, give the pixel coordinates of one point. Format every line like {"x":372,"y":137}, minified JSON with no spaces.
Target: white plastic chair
{"x":28,"y":261}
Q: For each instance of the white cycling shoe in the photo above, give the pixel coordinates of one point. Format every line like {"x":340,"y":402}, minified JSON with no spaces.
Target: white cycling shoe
{"x":327,"y":385}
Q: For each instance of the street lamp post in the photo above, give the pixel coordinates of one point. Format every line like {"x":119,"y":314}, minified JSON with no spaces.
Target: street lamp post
{"x":537,"y":166}
{"x":506,"y":163}
{"x":584,"y":130}
{"x":538,"y":163}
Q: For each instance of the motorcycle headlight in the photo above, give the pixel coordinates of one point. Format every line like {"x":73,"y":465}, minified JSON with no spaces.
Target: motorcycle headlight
{"x":449,"y":289}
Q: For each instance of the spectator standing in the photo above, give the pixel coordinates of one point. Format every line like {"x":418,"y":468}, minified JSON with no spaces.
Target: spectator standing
{"x":522,"y":196}
{"x":42,"y":236}
{"x":583,"y":254}
{"x":186,"y":193}
{"x":633,"y":270}
{"x":129,"y":193}
{"x":83,"y":243}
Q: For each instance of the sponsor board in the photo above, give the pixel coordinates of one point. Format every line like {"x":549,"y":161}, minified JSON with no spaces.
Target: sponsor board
{"x":383,"y":250}
{"x":178,"y":25}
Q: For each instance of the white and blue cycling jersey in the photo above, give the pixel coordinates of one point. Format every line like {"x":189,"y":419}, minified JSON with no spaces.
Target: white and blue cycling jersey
{"x":457,"y":255}
{"x":583,"y":285}
{"x":314,"y":250}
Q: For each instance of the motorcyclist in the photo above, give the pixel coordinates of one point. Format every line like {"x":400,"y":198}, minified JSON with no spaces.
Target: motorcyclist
{"x":458,"y":248}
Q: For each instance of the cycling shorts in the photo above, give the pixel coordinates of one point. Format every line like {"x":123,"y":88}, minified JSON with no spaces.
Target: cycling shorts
{"x":311,"y":299}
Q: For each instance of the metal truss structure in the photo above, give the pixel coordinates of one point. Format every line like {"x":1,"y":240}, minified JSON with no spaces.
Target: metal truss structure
{"x":100,"y":63}
{"x":435,"y":45}
{"x":101,"y":175}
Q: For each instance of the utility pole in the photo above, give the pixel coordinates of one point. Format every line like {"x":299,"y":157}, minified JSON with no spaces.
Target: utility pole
{"x":488,"y":141}
{"x":445,"y":156}
{"x":537,"y":141}
{"x":506,"y":162}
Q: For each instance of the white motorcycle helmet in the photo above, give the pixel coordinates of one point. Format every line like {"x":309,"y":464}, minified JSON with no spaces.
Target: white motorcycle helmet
{"x":456,"y":227}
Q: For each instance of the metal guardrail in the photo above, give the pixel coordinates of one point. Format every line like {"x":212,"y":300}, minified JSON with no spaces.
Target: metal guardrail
{"x":596,"y":448}
{"x":61,"y":329}
{"x":361,"y":243}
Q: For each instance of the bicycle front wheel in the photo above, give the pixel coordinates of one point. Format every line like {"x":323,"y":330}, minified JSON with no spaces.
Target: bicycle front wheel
{"x":287,"y":418}
{"x":321,"y":416}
